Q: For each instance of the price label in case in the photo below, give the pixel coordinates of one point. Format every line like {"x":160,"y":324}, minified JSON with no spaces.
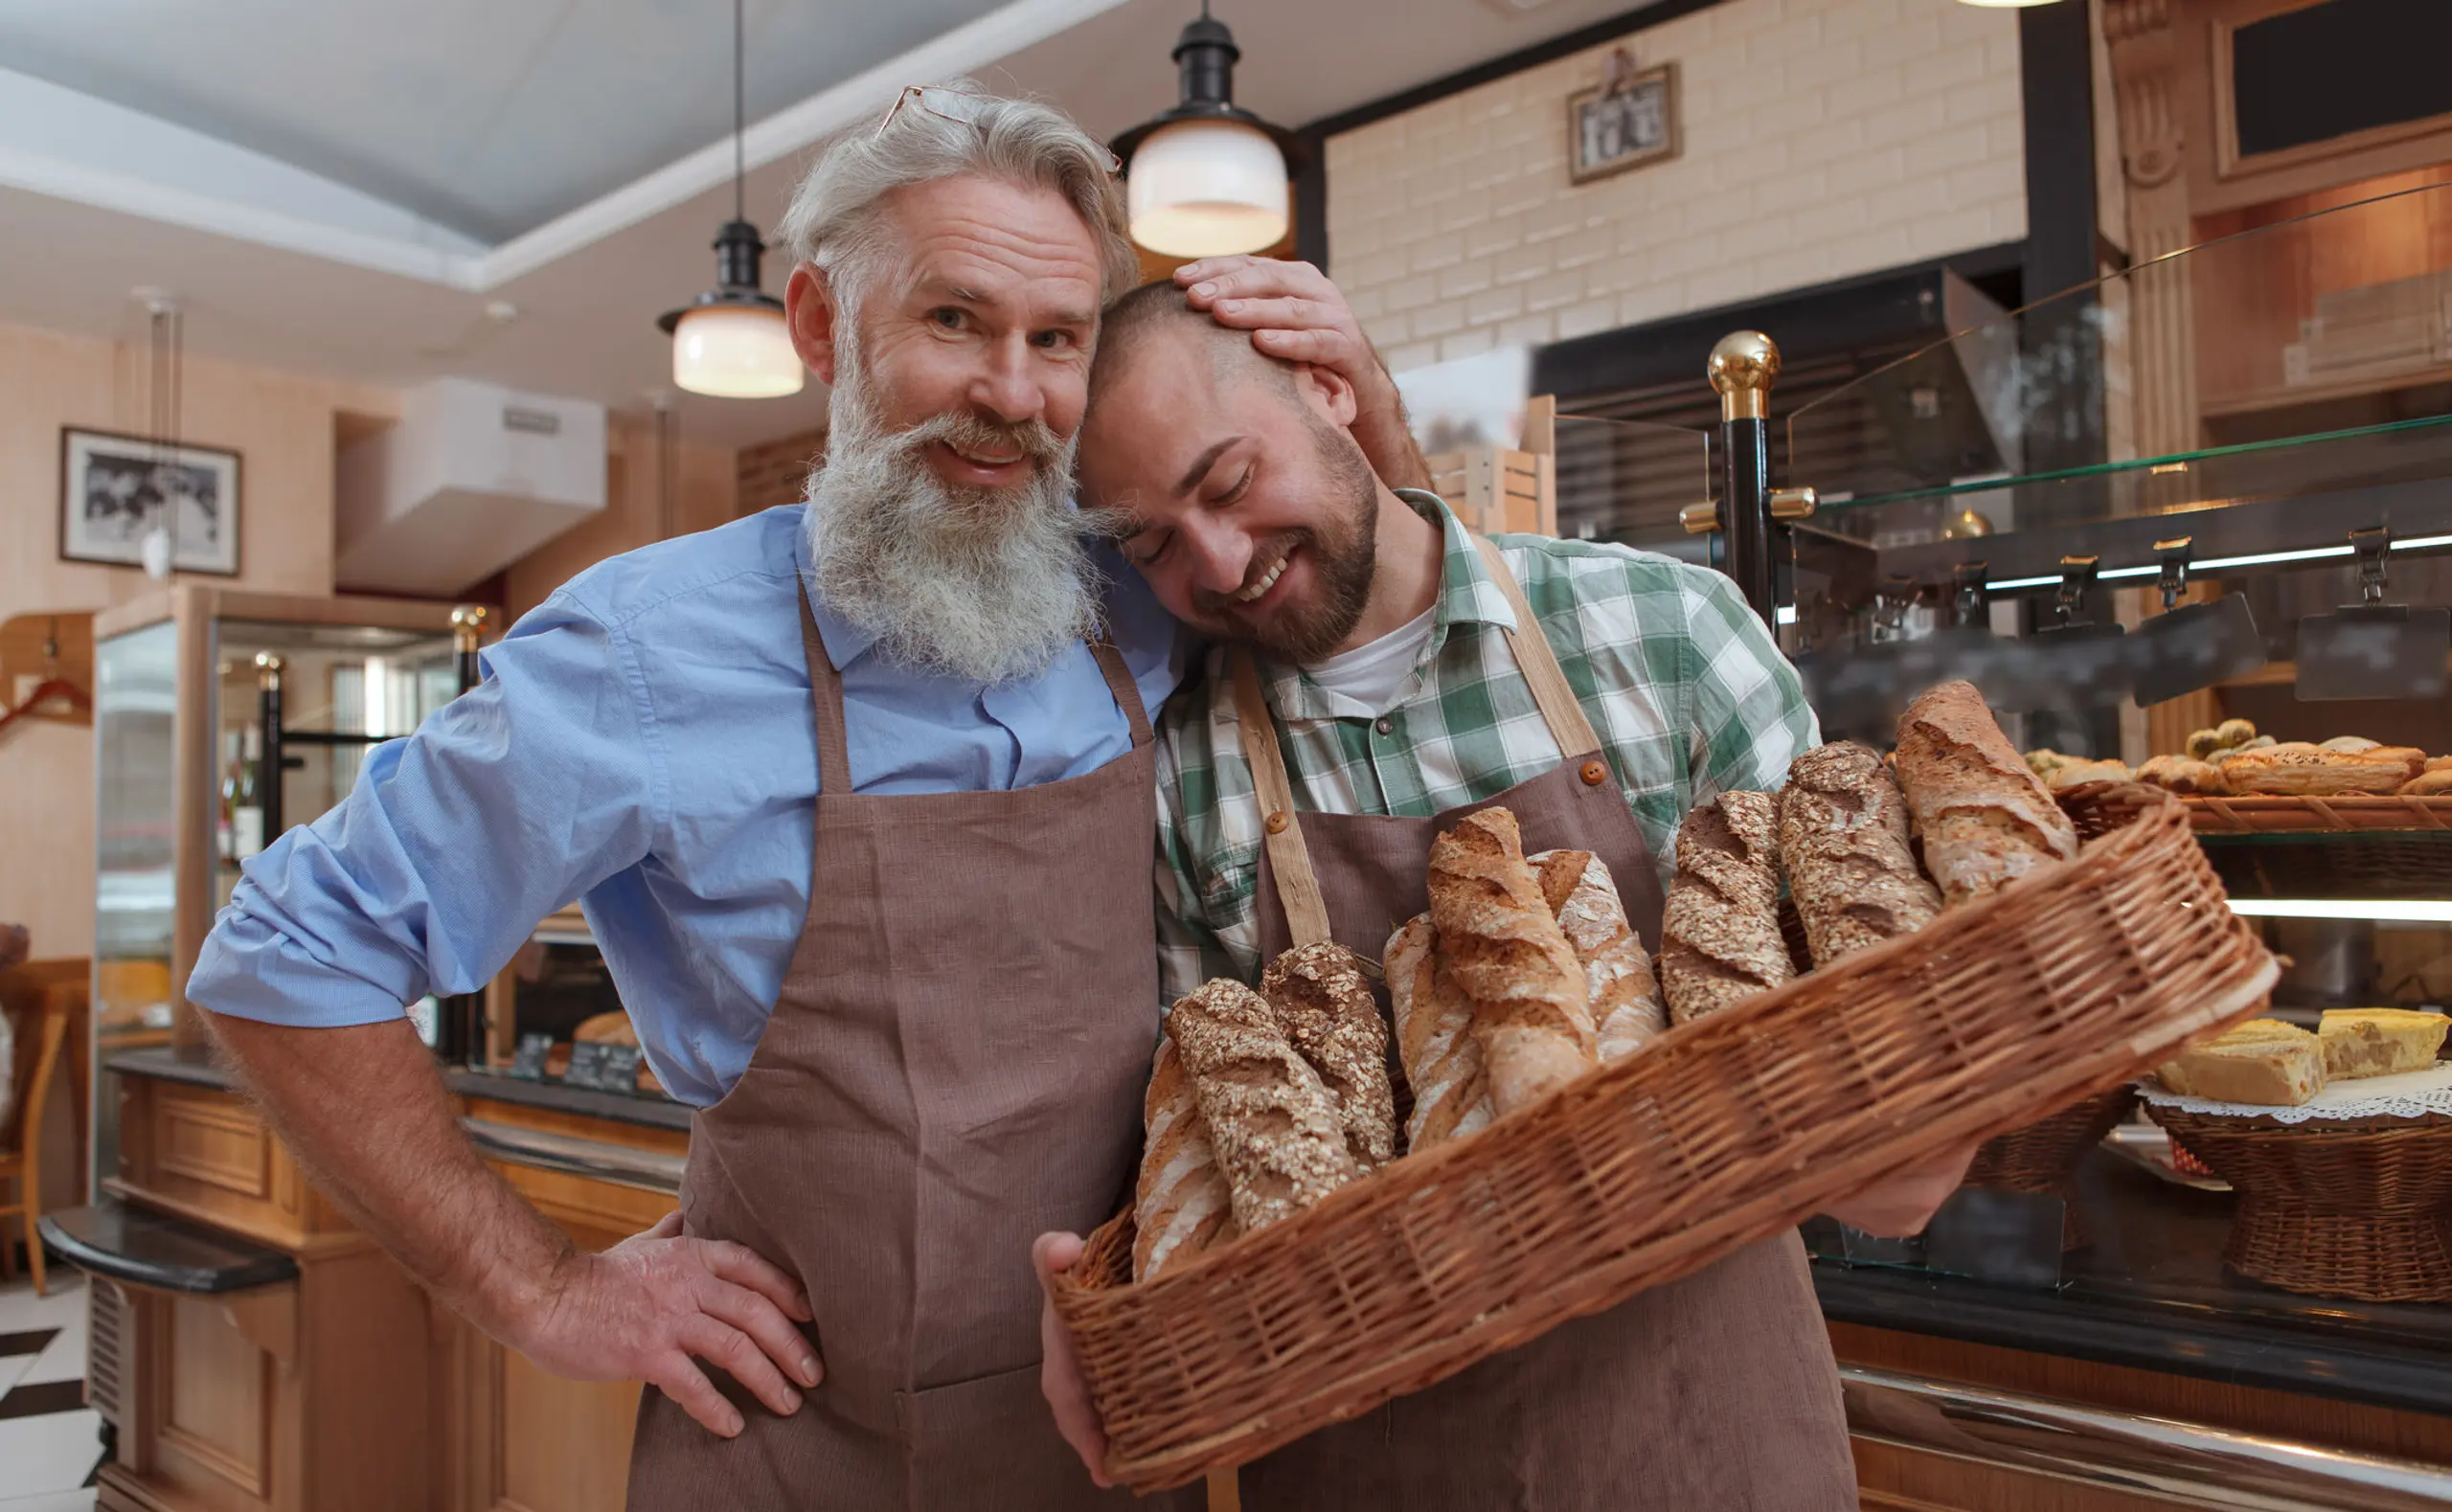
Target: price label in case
{"x":528,"y":1062}
{"x":606,"y":1068}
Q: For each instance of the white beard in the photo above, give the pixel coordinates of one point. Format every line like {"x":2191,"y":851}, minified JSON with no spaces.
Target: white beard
{"x":983,"y":585}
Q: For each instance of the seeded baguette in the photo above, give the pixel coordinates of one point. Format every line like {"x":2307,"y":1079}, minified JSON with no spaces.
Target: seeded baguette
{"x":1500,"y":943}
{"x":1842,"y":843}
{"x":1324,"y":1004}
{"x":1625,"y":997}
{"x":1719,"y":935}
{"x":1435,"y":1041}
{"x":1270,"y":1119}
{"x":1181,"y":1204}
{"x":1986,"y":820}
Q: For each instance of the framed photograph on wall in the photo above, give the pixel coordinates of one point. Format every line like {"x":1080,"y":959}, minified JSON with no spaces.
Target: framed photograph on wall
{"x":1628,"y":120}
{"x":114,"y":489}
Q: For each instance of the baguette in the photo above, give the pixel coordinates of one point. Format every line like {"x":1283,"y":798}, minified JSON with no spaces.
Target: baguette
{"x":1180,"y":1204}
{"x":2296,"y":768}
{"x":1843,"y":842}
{"x":1986,"y":820}
{"x":1324,"y":1004}
{"x":1434,"y":1042}
{"x":1719,"y":935}
{"x":1503,"y":946}
{"x":1618,"y":982}
{"x":1271,"y":1120}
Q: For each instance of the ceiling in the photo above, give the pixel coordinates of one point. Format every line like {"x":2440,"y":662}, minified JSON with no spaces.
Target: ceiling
{"x":344,"y":189}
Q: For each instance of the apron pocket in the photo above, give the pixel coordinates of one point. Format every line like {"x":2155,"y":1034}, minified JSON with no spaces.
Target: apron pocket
{"x":989,"y":1444}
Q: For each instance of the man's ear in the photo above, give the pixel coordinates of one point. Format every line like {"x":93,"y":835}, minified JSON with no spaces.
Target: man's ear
{"x":1327,"y":391}
{"x":809,"y":313}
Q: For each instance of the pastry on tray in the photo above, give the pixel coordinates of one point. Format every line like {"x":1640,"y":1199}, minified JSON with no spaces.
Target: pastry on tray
{"x":2380,"y":1042}
{"x":2264,"y":1061}
{"x":2297,"y":768}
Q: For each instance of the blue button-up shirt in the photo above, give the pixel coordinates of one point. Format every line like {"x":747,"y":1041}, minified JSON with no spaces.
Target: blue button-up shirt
{"x":642,"y":743}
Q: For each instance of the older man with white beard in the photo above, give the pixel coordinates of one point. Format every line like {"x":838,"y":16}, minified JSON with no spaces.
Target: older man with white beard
{"x":858,"y":800}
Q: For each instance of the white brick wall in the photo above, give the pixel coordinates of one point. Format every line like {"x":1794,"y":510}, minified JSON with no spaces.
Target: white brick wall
{"x":1822,"y":139}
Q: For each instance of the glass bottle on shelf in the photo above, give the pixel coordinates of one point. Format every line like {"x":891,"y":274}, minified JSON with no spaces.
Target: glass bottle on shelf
{"x":246,"y":802}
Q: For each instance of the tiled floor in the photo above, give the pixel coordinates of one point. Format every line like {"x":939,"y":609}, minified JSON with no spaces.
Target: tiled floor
{"x":49,"y":1442}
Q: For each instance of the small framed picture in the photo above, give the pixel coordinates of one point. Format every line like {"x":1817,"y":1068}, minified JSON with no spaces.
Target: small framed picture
{"x":114,"y":490}
{"x":1628,"y":120}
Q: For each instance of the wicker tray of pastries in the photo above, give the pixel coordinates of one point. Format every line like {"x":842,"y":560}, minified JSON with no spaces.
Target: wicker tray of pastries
{"x":2339,"y":1143}
{"x":1278,"y":1273}
{"x":2237,"y":781}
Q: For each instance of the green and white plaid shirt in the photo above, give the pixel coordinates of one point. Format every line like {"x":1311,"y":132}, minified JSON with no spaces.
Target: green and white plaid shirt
{"x":1685,"y":686}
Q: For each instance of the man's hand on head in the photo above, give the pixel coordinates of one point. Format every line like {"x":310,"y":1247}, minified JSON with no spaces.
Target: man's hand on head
{"x":1296,"y":314}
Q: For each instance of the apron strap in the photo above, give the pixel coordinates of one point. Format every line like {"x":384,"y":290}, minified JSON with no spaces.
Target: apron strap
{"x":1298,"y":886}
{"x":1551,"y":693}
{"x":825,"y":691}
{"x":1126,"y":692}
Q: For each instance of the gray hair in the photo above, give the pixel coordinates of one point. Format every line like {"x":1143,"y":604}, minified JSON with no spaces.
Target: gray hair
{"x":835,"y":222}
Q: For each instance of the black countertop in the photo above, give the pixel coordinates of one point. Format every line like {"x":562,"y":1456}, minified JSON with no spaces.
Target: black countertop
{"x":2152,"y":1293}
{"x":196,"y":1067}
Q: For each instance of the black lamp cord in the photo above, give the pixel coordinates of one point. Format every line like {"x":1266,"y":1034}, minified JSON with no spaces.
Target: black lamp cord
{"x":738,"y":168}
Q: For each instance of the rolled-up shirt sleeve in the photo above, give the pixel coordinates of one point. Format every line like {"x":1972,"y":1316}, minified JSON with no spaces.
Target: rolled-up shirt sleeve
{"x":508,"y":804}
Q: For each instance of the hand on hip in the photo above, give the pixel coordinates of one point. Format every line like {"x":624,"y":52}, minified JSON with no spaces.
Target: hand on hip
{"x":655,"y":1305}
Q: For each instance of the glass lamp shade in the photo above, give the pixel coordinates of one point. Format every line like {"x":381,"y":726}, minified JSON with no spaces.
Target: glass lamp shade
{"x":1206,"y":189}
{"x":736,"y":351}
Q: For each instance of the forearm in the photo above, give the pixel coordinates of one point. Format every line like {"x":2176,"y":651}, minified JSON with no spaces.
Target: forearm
{"x":365,"y":1111}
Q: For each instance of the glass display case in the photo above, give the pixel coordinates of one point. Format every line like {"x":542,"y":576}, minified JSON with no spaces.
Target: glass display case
{"x":2214,"y":488}
{"x":199,"y":764}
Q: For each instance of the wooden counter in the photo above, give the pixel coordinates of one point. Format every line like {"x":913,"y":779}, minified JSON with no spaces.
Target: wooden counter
{"x":348,"y":1388}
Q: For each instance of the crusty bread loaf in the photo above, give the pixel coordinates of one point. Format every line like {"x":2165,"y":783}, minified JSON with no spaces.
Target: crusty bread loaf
{"x":2429,"y":784}
{"x":2183,"y":775}
{"x":1324,"y":1004}
{"x":1985,"y":818}
{"x":1271,"y":1120}
{"x":1180,"y":1206}
{"x":1435,"y":1040}
{"x":1626,"y":1010}
{"x":1719,"y":935}
{"x":1842,"y":843}
{"x":1502,"y":945}
{"x":2297,"y":768}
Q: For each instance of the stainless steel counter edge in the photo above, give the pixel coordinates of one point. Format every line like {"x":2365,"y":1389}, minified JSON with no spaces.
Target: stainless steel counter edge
{"x":647,"y":1170}
{"x":2191,"y":1462}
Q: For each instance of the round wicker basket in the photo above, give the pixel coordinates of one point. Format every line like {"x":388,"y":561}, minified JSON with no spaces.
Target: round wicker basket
{"x":2354,"y":1207}
{"x":1723,"y":1131}
{"x":2043,"y":1157}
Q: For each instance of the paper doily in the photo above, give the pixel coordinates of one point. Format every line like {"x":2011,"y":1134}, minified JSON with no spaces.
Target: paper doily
{"x":2412,"y":1094}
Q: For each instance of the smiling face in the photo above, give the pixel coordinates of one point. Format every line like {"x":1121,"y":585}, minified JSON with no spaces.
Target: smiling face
{"x":1248,"y":508}
{"x":958,"y":350}
{"x":976,"y":329}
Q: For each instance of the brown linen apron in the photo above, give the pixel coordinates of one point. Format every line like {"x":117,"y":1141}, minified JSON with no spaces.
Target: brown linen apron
{"x":954,"y":1065}
{"x":1716,"y":1393}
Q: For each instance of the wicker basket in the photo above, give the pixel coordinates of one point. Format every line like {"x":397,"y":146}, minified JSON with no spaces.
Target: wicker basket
{"x":1722,"y":1132}
{"x":2354,"y":1207}
{"x":2043,"y":1157}
{"x":2258,"y":815}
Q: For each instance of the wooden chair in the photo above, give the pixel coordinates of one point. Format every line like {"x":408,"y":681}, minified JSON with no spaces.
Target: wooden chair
{"x":41,"y":1033}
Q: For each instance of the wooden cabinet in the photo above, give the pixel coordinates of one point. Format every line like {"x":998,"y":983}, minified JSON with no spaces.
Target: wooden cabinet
{"x":346,"y":1390}
{"x":306,"y":1394}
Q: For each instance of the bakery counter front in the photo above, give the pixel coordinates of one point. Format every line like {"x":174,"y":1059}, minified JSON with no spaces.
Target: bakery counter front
{"x":2140,"y":1372}
{"x":252,"y":1349}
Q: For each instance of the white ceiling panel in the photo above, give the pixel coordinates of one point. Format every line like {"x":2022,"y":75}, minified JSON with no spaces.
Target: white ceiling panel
{"x":488,"y":116}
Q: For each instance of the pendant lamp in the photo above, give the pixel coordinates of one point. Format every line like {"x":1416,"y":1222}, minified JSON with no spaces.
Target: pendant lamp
{"x":1207,"y":178}
{"x":730,"y":341}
